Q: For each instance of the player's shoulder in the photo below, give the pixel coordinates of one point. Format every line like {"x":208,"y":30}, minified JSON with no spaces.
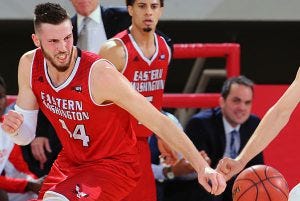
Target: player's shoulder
{"x":113,"y":50}
{"x":28,"y":55}
{"x":26,"y":58}
{"x":102,"y":65}
{"x":111,"y":45}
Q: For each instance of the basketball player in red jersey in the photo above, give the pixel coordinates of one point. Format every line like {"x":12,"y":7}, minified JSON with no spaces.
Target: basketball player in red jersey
{"x":143,"y":57}
{"x":89,"y":103}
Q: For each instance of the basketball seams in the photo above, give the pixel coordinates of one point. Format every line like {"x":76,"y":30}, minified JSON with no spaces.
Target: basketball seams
{"x":276,"y":187}
{"x":280,"y":176}
{"x":269,"y":178}
{"x":247,"y":189}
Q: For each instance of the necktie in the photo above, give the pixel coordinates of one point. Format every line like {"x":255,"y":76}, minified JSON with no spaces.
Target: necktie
{"x":82,"y":42}
{"x":233,"y":151}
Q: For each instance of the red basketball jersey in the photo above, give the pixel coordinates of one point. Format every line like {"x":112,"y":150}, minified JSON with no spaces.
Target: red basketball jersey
{"x":147,"y":76}
{"x":87,"y":131}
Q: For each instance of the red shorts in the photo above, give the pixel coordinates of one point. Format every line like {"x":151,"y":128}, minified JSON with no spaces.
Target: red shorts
{"x":145,"y":189}
{"x":106,"y":181}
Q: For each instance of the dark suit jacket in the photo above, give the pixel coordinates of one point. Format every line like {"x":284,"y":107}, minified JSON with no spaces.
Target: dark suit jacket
{"x":206,"y":130}
{"x":115,"y":20}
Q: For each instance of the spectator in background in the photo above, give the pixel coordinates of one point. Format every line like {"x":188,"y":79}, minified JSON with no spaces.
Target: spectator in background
{"x":211,"y":130}
{"x":165,"y":174}
{"x":272,"y":123}
{"x":103,"y":23}
{"x":43,"y":150}
{"x":17,"y":183}
{"x":94,"y":24}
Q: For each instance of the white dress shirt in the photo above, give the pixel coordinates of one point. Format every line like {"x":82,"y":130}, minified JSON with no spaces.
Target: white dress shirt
{"x":96,"y":31}
{"x":237,"y":141}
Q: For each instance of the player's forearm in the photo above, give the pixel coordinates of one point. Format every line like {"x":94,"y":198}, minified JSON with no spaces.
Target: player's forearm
{"x":178,"y":140}
{"x":271,"y":124}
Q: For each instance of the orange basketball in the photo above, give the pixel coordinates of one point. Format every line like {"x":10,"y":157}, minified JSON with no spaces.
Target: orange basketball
{"x":260,"y":183}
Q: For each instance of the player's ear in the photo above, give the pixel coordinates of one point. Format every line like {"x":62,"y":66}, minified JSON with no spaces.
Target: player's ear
{"x":35,"y":40}
{"x":221,"y":101}
{"x":129,"y":8}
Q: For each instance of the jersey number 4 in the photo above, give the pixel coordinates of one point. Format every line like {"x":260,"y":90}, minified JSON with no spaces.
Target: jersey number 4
{"x":79,"y":133}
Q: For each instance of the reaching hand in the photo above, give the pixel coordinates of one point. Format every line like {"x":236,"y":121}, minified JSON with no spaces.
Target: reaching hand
{"x":170,"y":156}
{"x":229,"y":167}
{"x":212,"y":181}
{"x":38,"y":147}
{"x":182,"y":167}
{"x":35,"y":185}
{"x":12,"y":122}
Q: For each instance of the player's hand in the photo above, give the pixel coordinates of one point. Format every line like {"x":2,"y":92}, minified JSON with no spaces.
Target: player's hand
{"x":182,"y":167}
{"x":38,"y":147}
{"x":229,"y":167}
{"x":35,"y":185}
{"x":213,"y":181}
{"x":170,"y":156}
{"x":12,"y":122}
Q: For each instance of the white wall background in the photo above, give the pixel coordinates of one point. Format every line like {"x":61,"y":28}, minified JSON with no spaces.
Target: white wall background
{"x":276,"y":10}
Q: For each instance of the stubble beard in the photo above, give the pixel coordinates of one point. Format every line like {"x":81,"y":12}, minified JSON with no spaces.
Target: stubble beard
{"x":61,"y":68}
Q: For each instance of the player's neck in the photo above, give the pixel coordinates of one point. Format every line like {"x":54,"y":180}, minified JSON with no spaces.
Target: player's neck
{"x":142,"y":37}
{"x":145,"y":41}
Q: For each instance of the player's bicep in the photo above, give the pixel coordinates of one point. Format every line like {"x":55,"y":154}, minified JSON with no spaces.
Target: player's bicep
{"x":108,"y":84}
{"x":139,"y":106}
{"x":25,"y":99}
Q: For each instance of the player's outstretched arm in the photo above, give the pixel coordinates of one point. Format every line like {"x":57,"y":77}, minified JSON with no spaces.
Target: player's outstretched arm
{"x":107,"y":84}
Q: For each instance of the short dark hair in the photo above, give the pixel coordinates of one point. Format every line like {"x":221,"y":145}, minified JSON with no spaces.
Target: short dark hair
{"x":241,"y":80}
{"x":131,"y":2}
{"x":49,"y":13}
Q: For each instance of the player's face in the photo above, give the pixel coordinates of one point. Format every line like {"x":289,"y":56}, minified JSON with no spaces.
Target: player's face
{"x":56,"y":42}
{"x":85,"y":7}
{"x":145,"y":14}
{"x":236,"y":108}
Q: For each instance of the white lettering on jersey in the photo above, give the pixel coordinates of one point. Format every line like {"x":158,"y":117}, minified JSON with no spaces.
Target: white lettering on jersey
{"x":79,"y":133}
{"x":69,"y":109}
{"x":148,"y":80}
{"x":147,"y":75}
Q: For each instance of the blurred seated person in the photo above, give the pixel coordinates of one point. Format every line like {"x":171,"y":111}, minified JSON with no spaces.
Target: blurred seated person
{"x":40,"y":158}
{"x":17,"y":183}
{"x":225,"y":130}
{"x":166,"y":174}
